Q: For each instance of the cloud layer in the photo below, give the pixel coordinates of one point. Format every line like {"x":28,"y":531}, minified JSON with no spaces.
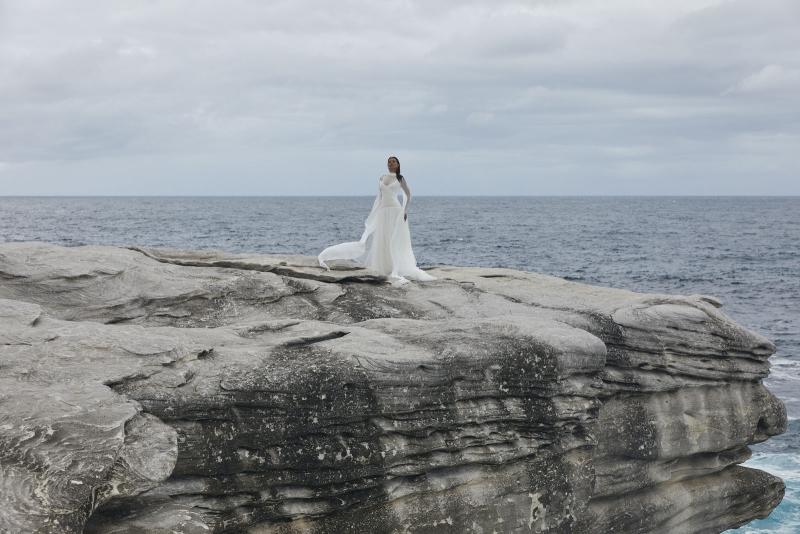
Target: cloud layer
{"x":301,"y":97}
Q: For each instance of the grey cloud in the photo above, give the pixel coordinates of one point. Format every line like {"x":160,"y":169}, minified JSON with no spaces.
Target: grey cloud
{"x":577,"y":96}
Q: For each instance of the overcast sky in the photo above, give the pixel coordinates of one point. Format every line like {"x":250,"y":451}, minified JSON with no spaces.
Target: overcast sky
{"x":476,"y":98}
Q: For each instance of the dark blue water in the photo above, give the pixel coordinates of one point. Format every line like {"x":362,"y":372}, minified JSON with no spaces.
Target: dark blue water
{"x":743,"y":250}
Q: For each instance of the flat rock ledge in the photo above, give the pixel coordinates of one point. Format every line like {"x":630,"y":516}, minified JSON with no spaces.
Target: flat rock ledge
{"x":154,"y":390}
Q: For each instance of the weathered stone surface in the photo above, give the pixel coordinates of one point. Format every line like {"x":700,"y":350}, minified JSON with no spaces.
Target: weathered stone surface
{"x":160,"y":390}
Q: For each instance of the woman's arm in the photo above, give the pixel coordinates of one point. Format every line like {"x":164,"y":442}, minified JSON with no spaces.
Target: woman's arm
{"x":404,"y":185}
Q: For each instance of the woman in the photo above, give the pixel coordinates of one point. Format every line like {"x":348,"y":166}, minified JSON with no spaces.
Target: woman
{"x":385,"y":245}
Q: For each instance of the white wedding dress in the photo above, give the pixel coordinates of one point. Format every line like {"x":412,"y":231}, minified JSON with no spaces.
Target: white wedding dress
{"x":385,"y":245}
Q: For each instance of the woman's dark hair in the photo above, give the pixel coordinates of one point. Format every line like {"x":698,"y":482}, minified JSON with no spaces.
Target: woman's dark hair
{"x":399,"y":176}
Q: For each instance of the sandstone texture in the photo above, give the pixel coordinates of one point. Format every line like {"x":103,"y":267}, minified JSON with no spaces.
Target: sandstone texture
{"x":153,"y":390}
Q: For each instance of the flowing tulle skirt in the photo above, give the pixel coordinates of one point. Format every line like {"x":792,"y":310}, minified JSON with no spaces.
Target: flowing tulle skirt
{"x":385,"y":247}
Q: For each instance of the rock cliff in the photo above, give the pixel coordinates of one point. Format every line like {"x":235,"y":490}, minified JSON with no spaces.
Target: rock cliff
{"x":162,"y":391}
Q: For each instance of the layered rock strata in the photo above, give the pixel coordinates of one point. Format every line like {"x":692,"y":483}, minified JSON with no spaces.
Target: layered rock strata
{"x":160,"y":390}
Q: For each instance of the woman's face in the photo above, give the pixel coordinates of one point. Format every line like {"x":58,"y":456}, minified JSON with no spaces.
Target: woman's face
{"x":392,"y":164}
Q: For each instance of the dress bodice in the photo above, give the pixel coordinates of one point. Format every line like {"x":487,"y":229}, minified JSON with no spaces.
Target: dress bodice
{"x":389,"y":192}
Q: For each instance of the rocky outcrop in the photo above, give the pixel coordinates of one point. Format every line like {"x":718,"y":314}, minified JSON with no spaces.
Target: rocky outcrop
{"x":161,"y":391}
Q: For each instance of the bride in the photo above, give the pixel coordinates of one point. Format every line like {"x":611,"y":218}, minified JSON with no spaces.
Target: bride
{"x":385,"y":245}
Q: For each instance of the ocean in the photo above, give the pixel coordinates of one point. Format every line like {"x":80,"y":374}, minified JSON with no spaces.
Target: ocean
{"x":743,"y":250}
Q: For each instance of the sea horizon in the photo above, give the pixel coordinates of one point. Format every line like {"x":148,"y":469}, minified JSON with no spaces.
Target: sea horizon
{"x":414,"y":195}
